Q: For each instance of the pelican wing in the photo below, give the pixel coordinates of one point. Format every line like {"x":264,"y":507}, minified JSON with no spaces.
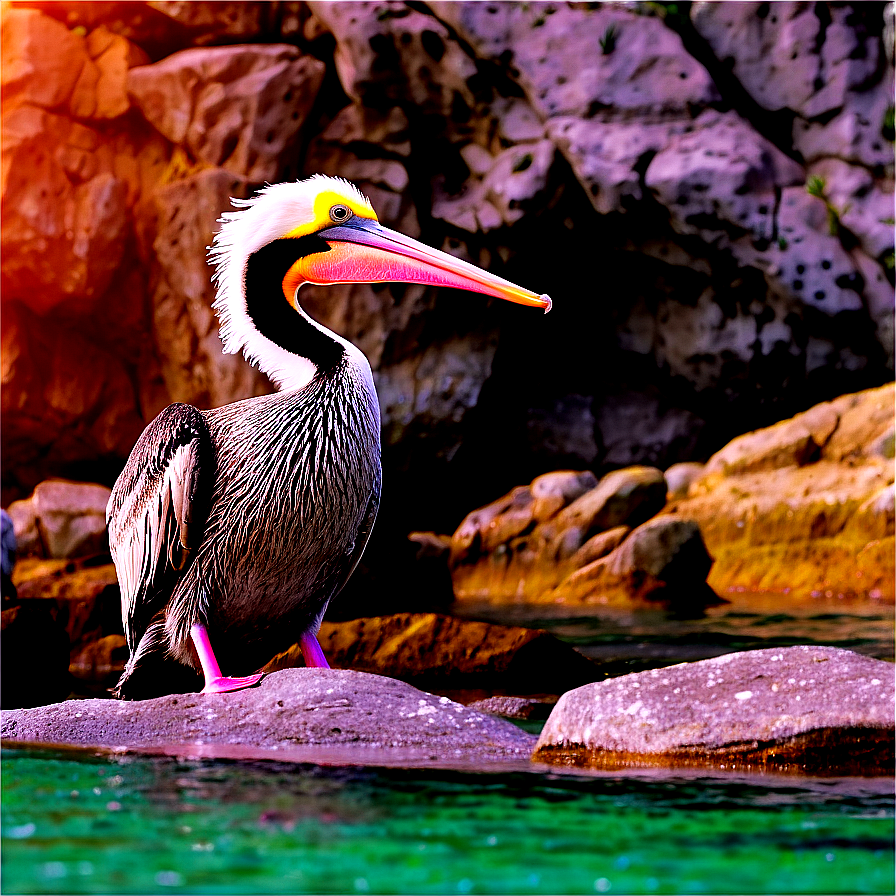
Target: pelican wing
{"x":157,"y":512}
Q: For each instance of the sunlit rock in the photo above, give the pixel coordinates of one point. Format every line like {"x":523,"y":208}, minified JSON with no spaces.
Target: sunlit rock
{"x":525,"y":545}
{"x":802,"y":507}
{"x":812,"y":710}
{"x":665,"y":559}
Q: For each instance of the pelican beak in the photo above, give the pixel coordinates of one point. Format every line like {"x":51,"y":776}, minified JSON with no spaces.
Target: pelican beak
{"x":363,"y":251}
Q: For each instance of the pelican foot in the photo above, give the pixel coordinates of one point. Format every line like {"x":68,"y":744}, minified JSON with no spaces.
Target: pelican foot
{"x":222,"y":685}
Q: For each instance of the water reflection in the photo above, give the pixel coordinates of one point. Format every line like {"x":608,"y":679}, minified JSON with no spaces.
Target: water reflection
{"x":632,"y":640}
{"x":212,"y":826}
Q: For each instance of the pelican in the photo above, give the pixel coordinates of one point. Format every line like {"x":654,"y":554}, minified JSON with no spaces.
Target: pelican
{"x":236,"y":526}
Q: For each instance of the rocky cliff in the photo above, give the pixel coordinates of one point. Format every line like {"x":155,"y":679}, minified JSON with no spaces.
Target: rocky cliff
{"x":705,"y":189}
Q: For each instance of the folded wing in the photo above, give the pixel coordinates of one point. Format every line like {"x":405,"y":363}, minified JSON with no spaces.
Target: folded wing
{"x":157,"y":512}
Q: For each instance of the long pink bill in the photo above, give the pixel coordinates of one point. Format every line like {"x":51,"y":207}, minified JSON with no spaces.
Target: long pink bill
{"x":366,"y":252}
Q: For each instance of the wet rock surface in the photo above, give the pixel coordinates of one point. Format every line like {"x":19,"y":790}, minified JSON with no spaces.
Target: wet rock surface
{"x":290,"y":708}
{"x":817,"y":710}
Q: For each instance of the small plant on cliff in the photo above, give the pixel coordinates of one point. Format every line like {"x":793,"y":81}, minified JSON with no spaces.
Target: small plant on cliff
{"x":888,"y":128}
{"x":817,"y":186}
{"x":608,"y":41}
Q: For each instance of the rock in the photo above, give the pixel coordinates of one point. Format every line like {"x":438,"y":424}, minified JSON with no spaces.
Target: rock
{"x":79,"y":217}
{"x":51,"y":398}
{"x":722,"y":177}
{"x":71,"y":517}
{"x":217,"y":21}
{"x":510,"y":184}
{"x":239,"y":108}
{"x":85,"y":600}
{"x":514,"y":707}
{"x":679,"y":478}
{"x":195,"y":369}
{"x":792,"y":508}
{"x":812,"y":710}
{"x":397,"y":574}
{"x":642,"y":66}
{"x":446,"y":652}
{"x":33,"y":657}
{"x":665,"y":559}
{"x":398,"y":56}
{"x":42,"y":59}
{"x":794,"y":57}
{"x":99,"y":664}
{"x":862,"y":205}
{"x":507,"y":551}
{"x":292,"y":708}
{"x":24,"y":522}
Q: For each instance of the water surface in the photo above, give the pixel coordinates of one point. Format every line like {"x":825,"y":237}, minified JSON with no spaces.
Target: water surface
{"x":76,"y":822}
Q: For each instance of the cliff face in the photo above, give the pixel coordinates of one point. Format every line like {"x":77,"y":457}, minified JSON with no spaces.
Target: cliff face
{"x":706,"y":195}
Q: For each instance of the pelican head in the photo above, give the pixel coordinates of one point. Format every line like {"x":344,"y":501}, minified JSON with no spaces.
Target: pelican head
{"x":322,"y":230}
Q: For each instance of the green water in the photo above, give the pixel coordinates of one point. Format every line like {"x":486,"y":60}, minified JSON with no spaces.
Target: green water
{"x":82,"y":823}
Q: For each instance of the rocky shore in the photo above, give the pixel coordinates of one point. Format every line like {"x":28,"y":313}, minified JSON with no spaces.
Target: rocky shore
{"x":800,"y":710}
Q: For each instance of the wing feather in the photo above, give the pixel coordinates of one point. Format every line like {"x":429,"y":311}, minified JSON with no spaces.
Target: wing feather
{"x":157,"y":512}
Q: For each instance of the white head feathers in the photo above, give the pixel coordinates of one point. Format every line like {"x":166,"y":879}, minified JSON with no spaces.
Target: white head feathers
{"x":273,"y":212}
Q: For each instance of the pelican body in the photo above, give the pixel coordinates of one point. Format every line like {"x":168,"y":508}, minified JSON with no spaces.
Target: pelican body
{"x":236,"y":526}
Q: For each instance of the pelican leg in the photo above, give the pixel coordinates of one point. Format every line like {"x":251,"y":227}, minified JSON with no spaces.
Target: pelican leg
{"x":215,"y":682}
{"x":311,"y":650}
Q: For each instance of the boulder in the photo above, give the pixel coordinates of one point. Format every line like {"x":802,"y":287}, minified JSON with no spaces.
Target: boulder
{"x":526,"y":543}
{"x":34,"y":657}
{"x":448,"y":653}
{"x":239,"y":108}
{"x":665,"y":559}
{"x":523,"y":708}
{"x":802,"y":507}
{"x":70,"y":517}
{"x":288,"y":709}
{"x":823,"y":54}
{"x":812,"y":710}
{"x":680,"y":476}
{"x":642,"y":65}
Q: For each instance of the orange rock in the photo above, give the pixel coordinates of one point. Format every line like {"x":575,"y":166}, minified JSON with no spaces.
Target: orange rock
{"x":523,"y":545}
{"x":52,"y":398}
{"x":41,"y":59}
{"x":804,"y":506}
{"x":239,"y":108}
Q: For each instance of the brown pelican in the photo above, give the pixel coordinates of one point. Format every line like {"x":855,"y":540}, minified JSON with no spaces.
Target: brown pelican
{"x":236,"y":526}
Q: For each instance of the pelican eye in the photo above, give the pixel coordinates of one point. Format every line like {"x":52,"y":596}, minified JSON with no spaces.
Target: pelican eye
{"x":339,"y":214}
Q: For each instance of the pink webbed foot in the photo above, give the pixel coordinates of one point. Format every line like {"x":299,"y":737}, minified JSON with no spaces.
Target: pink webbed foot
{"x":222,"y":685}
{"x":215,"y":682}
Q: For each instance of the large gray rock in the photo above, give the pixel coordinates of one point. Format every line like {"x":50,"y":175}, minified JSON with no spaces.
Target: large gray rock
{"x":812,"y":709}
{"x":295,"y":707}
{"x":240,"y":108}
{"x":823,"y":54}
